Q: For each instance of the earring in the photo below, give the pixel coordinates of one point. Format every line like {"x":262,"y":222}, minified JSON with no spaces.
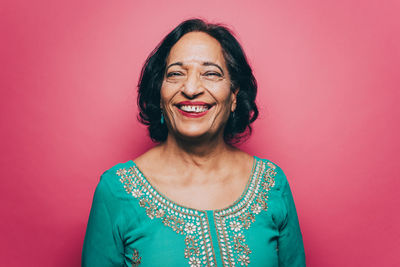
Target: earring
{"x":162,"y":118}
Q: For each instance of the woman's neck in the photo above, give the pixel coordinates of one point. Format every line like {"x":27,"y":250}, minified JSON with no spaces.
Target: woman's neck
{"x":201,"y":153}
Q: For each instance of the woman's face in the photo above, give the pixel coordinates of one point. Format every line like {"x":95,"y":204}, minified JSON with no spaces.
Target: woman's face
{"x":196,"y":91}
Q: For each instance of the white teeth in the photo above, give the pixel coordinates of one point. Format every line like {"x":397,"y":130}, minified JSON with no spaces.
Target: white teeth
{"x":197,"y":109}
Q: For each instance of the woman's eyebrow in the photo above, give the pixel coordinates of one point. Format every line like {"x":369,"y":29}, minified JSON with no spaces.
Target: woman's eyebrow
{"x":174,"y":64}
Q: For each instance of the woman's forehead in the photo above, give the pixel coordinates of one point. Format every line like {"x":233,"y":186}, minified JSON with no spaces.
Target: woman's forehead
{"x":196,"y":47}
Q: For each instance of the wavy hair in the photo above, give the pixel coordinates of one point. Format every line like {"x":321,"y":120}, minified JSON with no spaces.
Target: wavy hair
{"x":238,"y":126}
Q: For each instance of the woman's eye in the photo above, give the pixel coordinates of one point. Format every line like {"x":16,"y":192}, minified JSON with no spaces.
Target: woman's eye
{"x":173,"y":73}
{"x":211,"y":74}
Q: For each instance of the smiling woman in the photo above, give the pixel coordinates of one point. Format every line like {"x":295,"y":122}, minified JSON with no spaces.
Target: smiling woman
{"x":197,"y":85}
{"x":194,"y":199}
{"x":230,"y":55}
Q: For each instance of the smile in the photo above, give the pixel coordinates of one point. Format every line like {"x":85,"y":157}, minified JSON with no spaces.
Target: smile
{"x":193,"y":109}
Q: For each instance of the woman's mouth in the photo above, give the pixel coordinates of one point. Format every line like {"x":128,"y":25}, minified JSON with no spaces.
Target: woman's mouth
{"x":193,"y":109}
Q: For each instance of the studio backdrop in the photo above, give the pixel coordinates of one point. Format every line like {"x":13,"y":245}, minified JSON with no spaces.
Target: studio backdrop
{"x":328,"y":76}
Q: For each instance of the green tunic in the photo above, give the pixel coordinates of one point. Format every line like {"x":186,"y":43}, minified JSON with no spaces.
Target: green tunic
{"x":132,"y":224}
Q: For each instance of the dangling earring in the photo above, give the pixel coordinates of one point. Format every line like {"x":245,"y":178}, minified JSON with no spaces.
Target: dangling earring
{"x":162,"y":118}
{"x":233,"y":115}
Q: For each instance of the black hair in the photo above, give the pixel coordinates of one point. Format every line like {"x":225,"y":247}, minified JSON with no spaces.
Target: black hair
{"x":238,"y":126}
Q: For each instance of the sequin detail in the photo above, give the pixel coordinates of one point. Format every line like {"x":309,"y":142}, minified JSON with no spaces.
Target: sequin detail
{"x":136,"y":259}
{"x":190,"y":223}
{"x":231,"y":223}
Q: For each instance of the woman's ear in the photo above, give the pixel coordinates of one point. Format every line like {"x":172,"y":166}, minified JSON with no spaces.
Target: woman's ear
{"x":234,"y":99}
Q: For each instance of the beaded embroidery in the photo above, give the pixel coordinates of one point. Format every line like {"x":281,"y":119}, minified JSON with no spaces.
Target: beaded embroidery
{"x":136,"y":259}
{"x":231,"y":222}
{"x":192,"y":224}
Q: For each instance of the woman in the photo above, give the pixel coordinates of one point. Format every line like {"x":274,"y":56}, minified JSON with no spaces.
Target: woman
{"x":194,"y":199}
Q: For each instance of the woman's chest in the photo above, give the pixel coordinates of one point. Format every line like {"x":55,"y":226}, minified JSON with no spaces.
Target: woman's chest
{"x":202,"y":239}
{"x":211,"y":192}
{"x":165,"y":233}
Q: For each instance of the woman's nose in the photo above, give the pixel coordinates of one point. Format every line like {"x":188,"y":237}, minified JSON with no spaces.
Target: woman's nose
{"x":192,"y":86}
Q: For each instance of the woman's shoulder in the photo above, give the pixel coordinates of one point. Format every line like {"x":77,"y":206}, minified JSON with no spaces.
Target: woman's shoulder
{"x":117,"y":168}
{"x":270,"y":163}
{"x":110,"y":179}
{"x":276,"y":173}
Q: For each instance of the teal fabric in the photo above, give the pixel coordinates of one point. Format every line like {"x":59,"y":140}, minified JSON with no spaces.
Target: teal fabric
{"x":132,"y":224}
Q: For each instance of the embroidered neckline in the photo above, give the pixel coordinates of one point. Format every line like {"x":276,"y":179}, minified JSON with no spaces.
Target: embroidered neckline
{"x":253,"y":175}
{"x":231,"y":223}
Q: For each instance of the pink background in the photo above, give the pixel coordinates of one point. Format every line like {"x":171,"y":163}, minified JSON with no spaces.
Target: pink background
{"x":328,"y":74}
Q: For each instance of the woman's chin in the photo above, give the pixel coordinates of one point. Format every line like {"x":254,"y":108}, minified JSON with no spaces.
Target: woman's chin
{"x":194,"y":136}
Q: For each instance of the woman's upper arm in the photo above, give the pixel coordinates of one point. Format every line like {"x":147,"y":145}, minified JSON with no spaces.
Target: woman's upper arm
{"x":290,"y":242}
{"x":103,"y":245}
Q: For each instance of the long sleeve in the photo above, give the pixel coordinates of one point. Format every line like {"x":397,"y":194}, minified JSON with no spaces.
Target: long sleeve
{"x":103,"y":245}
{"x":290,"y":243}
